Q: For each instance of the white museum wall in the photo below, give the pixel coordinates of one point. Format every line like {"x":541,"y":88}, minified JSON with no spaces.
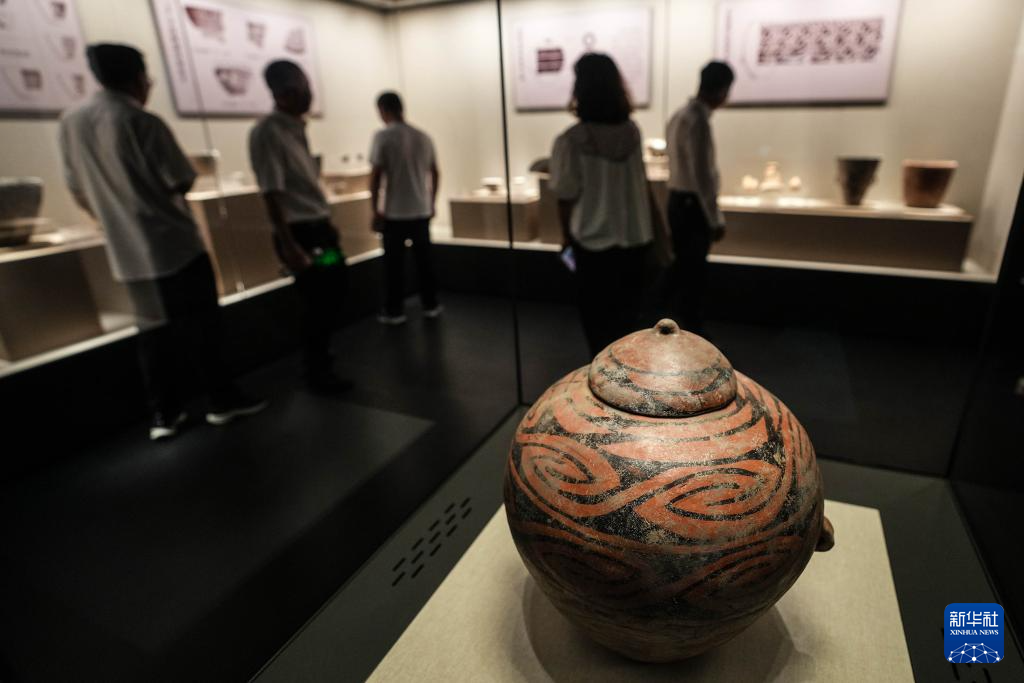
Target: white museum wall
{"x":1003,"y":183}
{"x":356,"y":54}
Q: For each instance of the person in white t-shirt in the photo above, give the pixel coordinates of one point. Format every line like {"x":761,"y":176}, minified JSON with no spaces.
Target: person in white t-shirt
{"x":604,"y":202}
{"x":404,"y":196}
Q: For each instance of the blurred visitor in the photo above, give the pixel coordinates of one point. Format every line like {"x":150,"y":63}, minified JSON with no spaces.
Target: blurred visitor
{"x":604,"y":202}
{"x":305,"y":240}
{"x":405,"y":165}
{"x":694,"y":218}
{"x":124,"y":167}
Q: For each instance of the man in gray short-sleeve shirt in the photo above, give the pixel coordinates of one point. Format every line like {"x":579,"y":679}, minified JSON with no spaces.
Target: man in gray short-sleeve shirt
{"x":306,"y":242}
{"x":123,"y":166}
{"x":404,"y":194}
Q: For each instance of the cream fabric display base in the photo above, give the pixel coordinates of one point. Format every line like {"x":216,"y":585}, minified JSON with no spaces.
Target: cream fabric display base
{"x":488,"y":621}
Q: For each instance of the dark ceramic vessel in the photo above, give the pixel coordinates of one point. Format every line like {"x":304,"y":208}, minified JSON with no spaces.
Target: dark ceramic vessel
{"x":661,"y":500}
{"x":856,"y":175}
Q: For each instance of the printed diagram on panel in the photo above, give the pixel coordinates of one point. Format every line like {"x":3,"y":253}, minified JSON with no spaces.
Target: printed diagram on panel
{"x":820,"y":42}
{"x":794,"y":51}
{"x":548,"y":47}
{"x":42,"y":56}
{"x":217,"y":52}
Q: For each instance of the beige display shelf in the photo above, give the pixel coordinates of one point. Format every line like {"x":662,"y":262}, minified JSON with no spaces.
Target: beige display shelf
{"x":486,"y":217}
{"x":871,"y":210}
{"x":47,"y":301}
{"x":348,"y":181}
{"x":887,"y":234}
{"x":488,"y":621}
{"x":238,"y":233}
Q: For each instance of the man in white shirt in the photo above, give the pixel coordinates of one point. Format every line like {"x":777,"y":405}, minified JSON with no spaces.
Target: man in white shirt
{"x":405,"y":165}
{"x":693,"y":214}
{"x":124,"y":167}
{"x":307,"y":243}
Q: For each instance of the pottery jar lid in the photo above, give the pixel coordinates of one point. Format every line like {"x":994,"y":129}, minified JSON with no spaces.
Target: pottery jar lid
{"x":663,"y":372}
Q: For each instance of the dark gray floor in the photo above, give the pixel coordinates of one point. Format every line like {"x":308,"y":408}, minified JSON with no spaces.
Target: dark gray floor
{"x":194,"y":559}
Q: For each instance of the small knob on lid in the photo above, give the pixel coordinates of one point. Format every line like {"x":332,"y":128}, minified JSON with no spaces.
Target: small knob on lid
{"x":663,"y":372}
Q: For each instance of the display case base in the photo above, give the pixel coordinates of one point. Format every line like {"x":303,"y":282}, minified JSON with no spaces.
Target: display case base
{"x":488,"y":621}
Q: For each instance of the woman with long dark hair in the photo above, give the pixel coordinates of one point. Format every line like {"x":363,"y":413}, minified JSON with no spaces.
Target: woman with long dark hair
{"x":597,"y":173}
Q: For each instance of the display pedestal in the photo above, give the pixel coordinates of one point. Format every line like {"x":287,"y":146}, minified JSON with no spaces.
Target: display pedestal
{"x":239,"y":237}
{"x":47,"y":301}
{"x":238,"y":233}
{"x":877,"y":233}
{"x":486,"y":217}
{"x":887,"y":234}
{"x":488,"y":621}
{"x":352,"y":215}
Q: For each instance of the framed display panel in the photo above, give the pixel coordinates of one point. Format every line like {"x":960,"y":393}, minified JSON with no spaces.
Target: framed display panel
{"x":808,"y":51}
{"x":216,"y":53}
{"x":42,"y":57}
{"x":546,"y":48}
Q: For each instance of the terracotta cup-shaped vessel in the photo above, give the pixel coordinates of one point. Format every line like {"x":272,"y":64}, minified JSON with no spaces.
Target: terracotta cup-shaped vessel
{"x":856,"y":175}
{"x":661,"y":500}
{"x":925,"y":182}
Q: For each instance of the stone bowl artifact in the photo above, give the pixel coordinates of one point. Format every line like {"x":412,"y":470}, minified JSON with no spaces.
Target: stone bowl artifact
{"x":925,"y":182}
{"x":205,"y":163}
{"x":20,"y":201}
{"x":493,"y":184}
{"x":661,"y":500}
{"x":856,"y":175}
{"x":20,"y":198}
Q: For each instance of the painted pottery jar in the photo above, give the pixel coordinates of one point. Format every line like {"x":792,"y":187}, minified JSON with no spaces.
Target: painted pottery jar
{"x":660,"y":499}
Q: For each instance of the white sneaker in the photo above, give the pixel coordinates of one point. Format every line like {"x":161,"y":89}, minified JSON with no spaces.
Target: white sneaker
{"x":434,"y":312}
{"x":385,"y":319}
{"x":238,"y":406}
{"x":164,"y":427}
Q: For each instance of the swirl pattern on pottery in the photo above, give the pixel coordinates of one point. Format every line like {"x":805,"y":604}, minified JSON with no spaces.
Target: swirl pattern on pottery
{"x":643,"y":528}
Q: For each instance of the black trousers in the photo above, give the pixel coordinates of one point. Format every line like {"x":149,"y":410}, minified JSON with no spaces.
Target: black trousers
{"x":394,"y":236}
{"x":179,"y":317}
{"x":610,"y":289}
{"x":322,"y":290}
{"x":688,"y":276}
